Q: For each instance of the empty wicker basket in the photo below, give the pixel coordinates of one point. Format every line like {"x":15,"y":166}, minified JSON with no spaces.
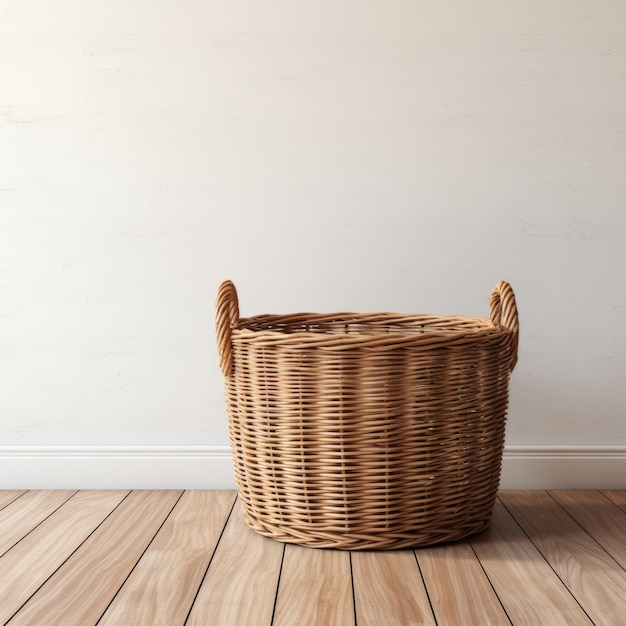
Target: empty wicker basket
{"x":367,"y":431}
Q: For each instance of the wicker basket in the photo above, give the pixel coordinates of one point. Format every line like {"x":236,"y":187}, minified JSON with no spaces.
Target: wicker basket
{"x":367,"y":431}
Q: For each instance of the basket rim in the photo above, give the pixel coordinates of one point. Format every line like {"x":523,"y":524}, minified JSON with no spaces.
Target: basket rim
{"x":352,"y":316}
{"x":427,"y":329}
{"x":500,"y":330}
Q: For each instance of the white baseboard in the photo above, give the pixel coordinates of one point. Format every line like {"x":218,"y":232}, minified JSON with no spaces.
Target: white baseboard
{"x":564,"y":467}
{"x":210,"y":467}
{"x":116,"y":467}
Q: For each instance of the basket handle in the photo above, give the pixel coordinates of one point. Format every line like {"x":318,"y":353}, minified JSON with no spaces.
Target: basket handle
{"x":226,"y":316}
{"x":503,"y":313}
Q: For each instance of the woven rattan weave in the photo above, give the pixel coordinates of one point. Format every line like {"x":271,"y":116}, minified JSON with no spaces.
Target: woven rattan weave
{"x":367,"y":431}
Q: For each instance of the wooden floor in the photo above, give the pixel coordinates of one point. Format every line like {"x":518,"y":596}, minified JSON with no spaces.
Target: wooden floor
{"x":144,"y":558}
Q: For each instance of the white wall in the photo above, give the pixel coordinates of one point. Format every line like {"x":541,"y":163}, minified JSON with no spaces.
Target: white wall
{"x":325,"y":156}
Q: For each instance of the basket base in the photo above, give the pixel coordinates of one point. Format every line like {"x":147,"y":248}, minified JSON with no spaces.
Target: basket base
{"x":350,"y":540}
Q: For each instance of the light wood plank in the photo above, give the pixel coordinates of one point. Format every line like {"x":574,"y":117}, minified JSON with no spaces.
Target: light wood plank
{"x":83,"y":554}
{"x":25,"y":567}
{"x":162,"y":587}
{"x":600,"y":517}
{"x":618,"y":497}
{"x":8,"y":496}
{"x":21,"y":516}
{"x":315,"y":588}
{"x":388,"y":589}
{"x":528,"y":588}
{"x":81,"y":590}
{"x":459,"y":591}
{"x":594,"y":578}
{"x":240,"y":585}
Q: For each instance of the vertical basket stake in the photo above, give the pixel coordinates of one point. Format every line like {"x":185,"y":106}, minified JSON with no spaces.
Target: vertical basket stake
{"x":503,"y":313}
{"x":226,"y":316}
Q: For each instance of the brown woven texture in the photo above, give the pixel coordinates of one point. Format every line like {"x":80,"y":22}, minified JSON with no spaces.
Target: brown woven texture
{"x":367,"y":431}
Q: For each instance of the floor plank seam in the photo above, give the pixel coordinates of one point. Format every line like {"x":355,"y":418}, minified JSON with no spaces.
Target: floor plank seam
{"x":69,"y":556}
{"x":491,"y":585}
{"x":587,"y":532}
{"x":39,"y":524}
{"x":545,"y":558}
{"x":353,"y":591}
{"x":612,"y":501}
{"x":280,"y":572}
{"x":206,"y":571}
{"x":430,"y":603}
{"x":21,"y":495}
{"x":132,"y":569}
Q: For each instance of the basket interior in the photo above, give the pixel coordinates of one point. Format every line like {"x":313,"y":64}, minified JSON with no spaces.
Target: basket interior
{"x":365,"y":324}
